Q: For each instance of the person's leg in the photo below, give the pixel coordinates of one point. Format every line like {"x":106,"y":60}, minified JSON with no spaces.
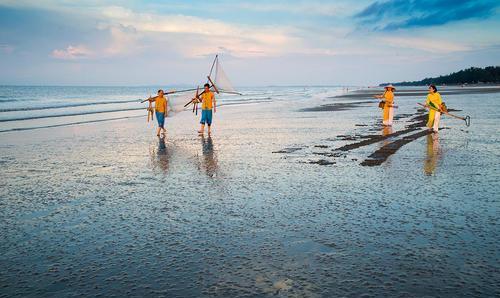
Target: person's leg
{"x":385,"y":115}
{"x":391,"y":115}
{"x":209,"y":121}
{"x":202,"y":122}
{"x":437,"y":117}
{"x":430,"y":120}
{"x":163,"y":124}
{"x":159,"y":118}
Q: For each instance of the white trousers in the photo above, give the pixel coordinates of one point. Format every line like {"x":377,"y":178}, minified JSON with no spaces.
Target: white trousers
{"x":437,"y":116}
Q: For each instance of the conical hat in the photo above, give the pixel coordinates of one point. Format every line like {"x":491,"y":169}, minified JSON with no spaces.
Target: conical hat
{"x":390,"y":86}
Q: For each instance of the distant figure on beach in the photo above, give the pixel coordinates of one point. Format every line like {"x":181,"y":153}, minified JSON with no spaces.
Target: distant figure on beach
{"x":434,"y":103}
{"x":160,"y":111}
{"x":207,"y":105}
{"x":387,"y":104}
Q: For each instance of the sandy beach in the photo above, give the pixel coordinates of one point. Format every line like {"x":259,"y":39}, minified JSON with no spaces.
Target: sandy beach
{"x":291,"y":198}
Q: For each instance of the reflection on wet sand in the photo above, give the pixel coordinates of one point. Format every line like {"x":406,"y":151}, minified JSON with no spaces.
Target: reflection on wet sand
{"x":209,"y":160}
{"x":160,"y":156}
{"x":387,"y":130}
{"x":432,"y":154}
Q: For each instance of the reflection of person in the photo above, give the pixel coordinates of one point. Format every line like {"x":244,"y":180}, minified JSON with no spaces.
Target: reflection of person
{"x":161,"y":111}
{"x":432,"y":154}
{"x":207,"y":105}
{"x":434,"y":103}
{"x":162,"y":157}
{"x":385,"y":132}
{"x":388,"y":104}
{"x":209,"y":162}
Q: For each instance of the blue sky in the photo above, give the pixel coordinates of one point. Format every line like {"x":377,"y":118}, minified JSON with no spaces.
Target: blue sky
{"x":125,"y":42}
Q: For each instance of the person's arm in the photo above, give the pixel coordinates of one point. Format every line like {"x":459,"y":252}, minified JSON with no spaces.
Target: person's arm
{"x":379,"y":96}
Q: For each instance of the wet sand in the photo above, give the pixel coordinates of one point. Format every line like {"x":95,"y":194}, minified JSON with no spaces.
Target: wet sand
{"x":273,"y":204}
{"x":421,"y":91}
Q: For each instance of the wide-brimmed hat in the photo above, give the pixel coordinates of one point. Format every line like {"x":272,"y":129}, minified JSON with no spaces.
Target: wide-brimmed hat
{"x":390,"y":86}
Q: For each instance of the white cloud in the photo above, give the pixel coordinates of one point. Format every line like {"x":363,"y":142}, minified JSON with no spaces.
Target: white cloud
{"x":191,"y":36}
{"x":201,"y":36}
{"x":124,"y":40}
{"x":72,"y":53}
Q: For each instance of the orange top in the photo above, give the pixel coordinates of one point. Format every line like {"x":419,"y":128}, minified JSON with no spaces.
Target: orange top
{"x":207,"y":100}
{"x":389,"y":96}
{"x":161,"y":104}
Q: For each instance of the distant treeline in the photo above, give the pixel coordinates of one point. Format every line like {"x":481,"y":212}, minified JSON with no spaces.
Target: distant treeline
{"x":473,"y":75}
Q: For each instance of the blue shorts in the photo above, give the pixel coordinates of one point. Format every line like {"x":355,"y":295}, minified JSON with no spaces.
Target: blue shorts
{"x":161,"y":119}
{"x":206,"y":117}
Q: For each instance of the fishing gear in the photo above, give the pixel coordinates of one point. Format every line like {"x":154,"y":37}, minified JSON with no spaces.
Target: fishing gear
{"x":217,"y":81}
{"x":150,"y":111}
{"x":169,"y":92}
{"x":382,"y":104}
{"x":444,"y":110}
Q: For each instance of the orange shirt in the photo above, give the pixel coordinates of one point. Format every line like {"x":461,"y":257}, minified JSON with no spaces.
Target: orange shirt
{"x":207,"y":100}
{"x":389,"y":96}
{"x":160,"y":104}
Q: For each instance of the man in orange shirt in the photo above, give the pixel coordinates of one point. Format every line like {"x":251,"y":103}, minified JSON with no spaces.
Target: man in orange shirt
{"x":160,"y":111}
{"x":207,"y":105}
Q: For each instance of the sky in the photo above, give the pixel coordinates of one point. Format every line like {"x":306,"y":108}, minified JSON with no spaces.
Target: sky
{"x":261,"y":43}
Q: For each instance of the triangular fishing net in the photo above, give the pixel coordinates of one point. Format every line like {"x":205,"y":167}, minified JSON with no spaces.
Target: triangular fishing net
{"x":220,"y":79}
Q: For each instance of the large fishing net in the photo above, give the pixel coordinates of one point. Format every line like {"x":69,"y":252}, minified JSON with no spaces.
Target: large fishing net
{"x":220,"y":79}
{"x":177,"y":101}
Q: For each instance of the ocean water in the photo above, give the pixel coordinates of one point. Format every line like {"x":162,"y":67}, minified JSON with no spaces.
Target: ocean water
{"x":29,"y":107}
{"x":107,"y":208}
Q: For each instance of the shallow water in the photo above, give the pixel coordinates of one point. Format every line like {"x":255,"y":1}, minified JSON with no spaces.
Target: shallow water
{"x":108,"y":209}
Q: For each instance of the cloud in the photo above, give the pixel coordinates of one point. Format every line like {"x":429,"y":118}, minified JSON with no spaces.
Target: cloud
{"x":197,"y":36}
{"x":6,"y":48}
{"x":301,"y":7}
{"x":124,"y":30}
{"x":72,"y":53}
{"x":423,"y":44}
{"x":402,"y":14}
{"x":123,"y":40}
